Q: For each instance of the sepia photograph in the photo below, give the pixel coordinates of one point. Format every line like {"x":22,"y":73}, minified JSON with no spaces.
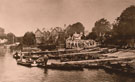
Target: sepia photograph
{"x":67,"y":40}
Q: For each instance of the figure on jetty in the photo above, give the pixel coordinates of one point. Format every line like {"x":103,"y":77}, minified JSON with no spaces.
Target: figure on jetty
{"x":45,"y":60}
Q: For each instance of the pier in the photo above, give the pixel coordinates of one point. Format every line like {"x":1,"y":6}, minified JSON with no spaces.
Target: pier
{"x":125,"y":61}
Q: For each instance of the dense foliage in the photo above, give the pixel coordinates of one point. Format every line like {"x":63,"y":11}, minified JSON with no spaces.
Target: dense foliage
{"x":77,"y":27}
{"x":11,"y":38}
{"x":125,"y":24}
{"x":29,"y":38}
{"x":101,"y":27}
{"x":100,"y":30}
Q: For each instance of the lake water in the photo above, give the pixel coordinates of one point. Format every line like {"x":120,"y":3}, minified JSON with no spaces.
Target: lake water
{"x":11,"y":72}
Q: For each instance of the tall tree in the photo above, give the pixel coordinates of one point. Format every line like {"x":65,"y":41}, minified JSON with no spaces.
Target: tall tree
{"x":11,"y":38}
{"x":77,"y":27}
{"x":2,"y":33}
{"x":124,"y":27}
{"x":101,"y":27}
{"x":125,"y":24}
{"x":91,"y":35}
{"x":29,"y":38}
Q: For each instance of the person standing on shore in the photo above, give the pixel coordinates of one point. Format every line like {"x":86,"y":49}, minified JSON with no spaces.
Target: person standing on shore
{"x":45,"y":60}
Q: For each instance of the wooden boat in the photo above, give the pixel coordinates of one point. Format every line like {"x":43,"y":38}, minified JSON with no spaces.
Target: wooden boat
{"x":65,"y":67}
{"x":16,"y":55}
{"x":24,"y":63}
{"x":62,"y":67}
{"x":128,"y":68}
{"x":28,"y":64}
{"x":34,"y":64}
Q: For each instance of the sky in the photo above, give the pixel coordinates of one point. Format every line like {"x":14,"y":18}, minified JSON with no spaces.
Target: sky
{"x":20,"y":16}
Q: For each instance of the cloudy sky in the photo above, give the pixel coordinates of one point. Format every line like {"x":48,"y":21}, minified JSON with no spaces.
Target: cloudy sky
{"x":19,"y":16}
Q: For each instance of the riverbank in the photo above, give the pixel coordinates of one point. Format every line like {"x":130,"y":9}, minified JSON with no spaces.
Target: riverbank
{"x":93,"y":58}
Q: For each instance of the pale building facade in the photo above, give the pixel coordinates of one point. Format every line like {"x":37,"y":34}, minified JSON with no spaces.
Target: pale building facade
{"x":76,"y":42}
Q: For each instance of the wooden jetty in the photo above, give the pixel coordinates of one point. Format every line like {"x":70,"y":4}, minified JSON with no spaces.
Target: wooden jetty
{"x":122,"y":62}
{"x":57,"y":51}
{"x":89,"y":54}
{"x":51,"y":54}
{"x":55,"y":54}
{"x":99,"y":61}
{"x":81,"y":56}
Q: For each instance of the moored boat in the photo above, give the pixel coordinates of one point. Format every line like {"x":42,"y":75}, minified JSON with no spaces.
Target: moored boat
{"x":34,"y":64}
{"x":26,"y":62}
{"x":20,"y":62}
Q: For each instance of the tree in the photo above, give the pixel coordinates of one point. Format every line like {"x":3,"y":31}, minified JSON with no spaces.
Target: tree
{"x":124,"y":27}
{"x":2,"y":33}
{"x":101,"y":27}
{"x":125,"y":24}
{"x":11,"y":38}
{"x":77,"y":27}
{"x":19,"y":39}
{"x":91,"y":35}
{"x":29,"y":39}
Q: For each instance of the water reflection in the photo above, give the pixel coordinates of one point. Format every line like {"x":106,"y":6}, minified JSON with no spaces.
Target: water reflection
{"x":45,"y":70}
{"x":11,"y":72}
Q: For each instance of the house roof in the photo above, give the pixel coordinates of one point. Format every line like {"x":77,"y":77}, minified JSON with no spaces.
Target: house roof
{"x":38,"y":33}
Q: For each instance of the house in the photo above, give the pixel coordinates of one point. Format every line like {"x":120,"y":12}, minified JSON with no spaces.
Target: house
{"x":76,"y":42}
{"x":46,"y":35}
{"x":77,"y":36}
{"x":61,"y":40}
{"x":55,"y":31}
{"x":39,"y":36}
{"x":54,"y":36}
